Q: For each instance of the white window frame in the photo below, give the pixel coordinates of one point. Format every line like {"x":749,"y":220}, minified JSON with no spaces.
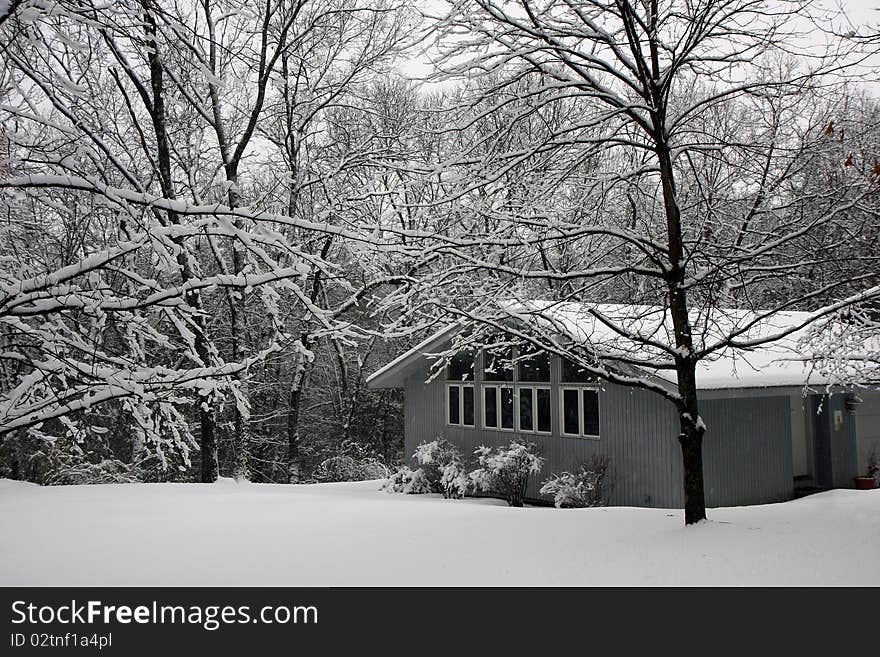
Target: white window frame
{"x":534,"y":387}
{"x":460,"y":386}
{"x":498,"y":387}
{"x":580,"y":390}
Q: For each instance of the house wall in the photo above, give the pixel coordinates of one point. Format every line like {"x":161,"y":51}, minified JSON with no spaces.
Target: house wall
{"x":747,"y":448}
{"x":838,"y":427}
{"x":801,"y":439}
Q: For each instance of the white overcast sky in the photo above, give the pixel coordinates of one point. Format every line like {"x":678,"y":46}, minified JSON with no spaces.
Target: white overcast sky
{"x":862,"y":11}
{"x":862,"y":15}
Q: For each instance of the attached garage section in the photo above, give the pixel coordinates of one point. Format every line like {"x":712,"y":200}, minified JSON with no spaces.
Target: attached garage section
{"x":747,"y":451}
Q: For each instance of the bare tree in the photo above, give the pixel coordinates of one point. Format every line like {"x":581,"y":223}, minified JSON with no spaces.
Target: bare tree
{"x":658,"y":154}
{"x":148,"y":115}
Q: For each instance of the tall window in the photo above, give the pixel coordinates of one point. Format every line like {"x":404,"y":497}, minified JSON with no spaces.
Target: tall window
{"x":579,"y":411}
{"x":460,"y":404}
{"x":534,"y":409}
{"x":498,"y":407}
{"x":578,"y":401}
{"x":516,"y":392}
{"x":460,"y":390}
{"x":533,"y":369}
{"x":498,"y":398}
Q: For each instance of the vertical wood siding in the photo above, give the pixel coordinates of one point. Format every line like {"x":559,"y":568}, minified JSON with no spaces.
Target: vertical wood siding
{"x":747,"y":450}
{"x":747,"y":453}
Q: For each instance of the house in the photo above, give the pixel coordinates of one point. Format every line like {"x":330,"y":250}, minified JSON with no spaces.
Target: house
{"x":772,"y":423}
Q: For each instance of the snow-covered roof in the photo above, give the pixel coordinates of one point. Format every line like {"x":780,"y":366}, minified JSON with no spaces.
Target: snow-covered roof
{"x":603,"y":328}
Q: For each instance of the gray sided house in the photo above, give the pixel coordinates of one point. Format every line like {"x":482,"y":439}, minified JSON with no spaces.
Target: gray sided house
{"x":762,"y":441}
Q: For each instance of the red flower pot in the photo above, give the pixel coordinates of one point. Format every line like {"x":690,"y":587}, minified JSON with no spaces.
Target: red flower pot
{"x":865,"y":483}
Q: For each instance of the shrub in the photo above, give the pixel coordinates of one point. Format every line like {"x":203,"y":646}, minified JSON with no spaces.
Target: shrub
{"x":454,"y":481}
{"x":441,"y":470}
{"x":108,"y":471}
{"x":584,"y":488}
{"x":443,"y":466}
{"x":350,"y":468}
{"x":874,"y":465}
{"x":504,"y":472}
{"x":62,"y":462}
{"x":405,"y":480}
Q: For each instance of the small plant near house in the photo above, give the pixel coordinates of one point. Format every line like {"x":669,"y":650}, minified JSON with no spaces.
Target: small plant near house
{"x":871,"y":478}
{"x":441,"y":470}
{"x":585,"y":488}
{"x":442,"y":463}
{"x":408,"y":481}
{"x":454,"y":480}
{"x":504,"y":472}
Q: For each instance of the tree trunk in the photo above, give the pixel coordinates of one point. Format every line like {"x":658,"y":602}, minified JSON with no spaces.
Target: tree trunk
{"x":207,"y":437}
{"x":208,"y":446}
{"x":293,"y":414}
{"x":691,"y":440}
{"x":293,"y":470}
{"x":692,"y":428}
{"x":240,"y":349}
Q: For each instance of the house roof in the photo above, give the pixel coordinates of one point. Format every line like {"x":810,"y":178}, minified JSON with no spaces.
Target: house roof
{"x":393,"y":374}
{"x":781,"y":363}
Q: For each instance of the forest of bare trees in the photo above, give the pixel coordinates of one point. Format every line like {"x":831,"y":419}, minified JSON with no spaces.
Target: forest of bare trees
{"x":219,"y":217}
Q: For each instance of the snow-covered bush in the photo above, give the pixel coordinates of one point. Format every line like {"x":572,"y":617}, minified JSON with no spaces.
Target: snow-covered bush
{"x":108,"y":471}
{"x":504,"y":472}
{"x":454,"y":481}
{"x":584,"y":488}
{"x":441,"y":470}
{"x":350,"y":468}
{"x":350,"y":462}
{"x":405,"y":480}
{"x":443,"y":466}
{"x":63,"y":462}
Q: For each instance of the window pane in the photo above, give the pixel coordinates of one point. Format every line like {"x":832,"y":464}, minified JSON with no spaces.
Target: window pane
{"x":572,"y":373}
{"x":570,"y":402}
{"x":498,"y":364}
{"x":591,"y":412}
{"x":490,"y":412}
{"x":536,"y":367}
{"x":544,"y":410}
{"x":507,"y":408}
{"x":526,"y":413}
{"x":468,"y":403}
{"x":452,"y":406}
{"x":461,"y":367}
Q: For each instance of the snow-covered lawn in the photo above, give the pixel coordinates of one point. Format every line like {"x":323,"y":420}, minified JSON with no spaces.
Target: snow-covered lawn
{"x":353,"y":534}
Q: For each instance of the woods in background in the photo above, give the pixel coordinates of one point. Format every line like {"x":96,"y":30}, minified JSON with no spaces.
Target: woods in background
{"x":219,"y":217}
{"x":184,"y":260}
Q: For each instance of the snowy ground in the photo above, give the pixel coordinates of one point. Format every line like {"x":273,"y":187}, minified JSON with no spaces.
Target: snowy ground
{"x":353,"y":534}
